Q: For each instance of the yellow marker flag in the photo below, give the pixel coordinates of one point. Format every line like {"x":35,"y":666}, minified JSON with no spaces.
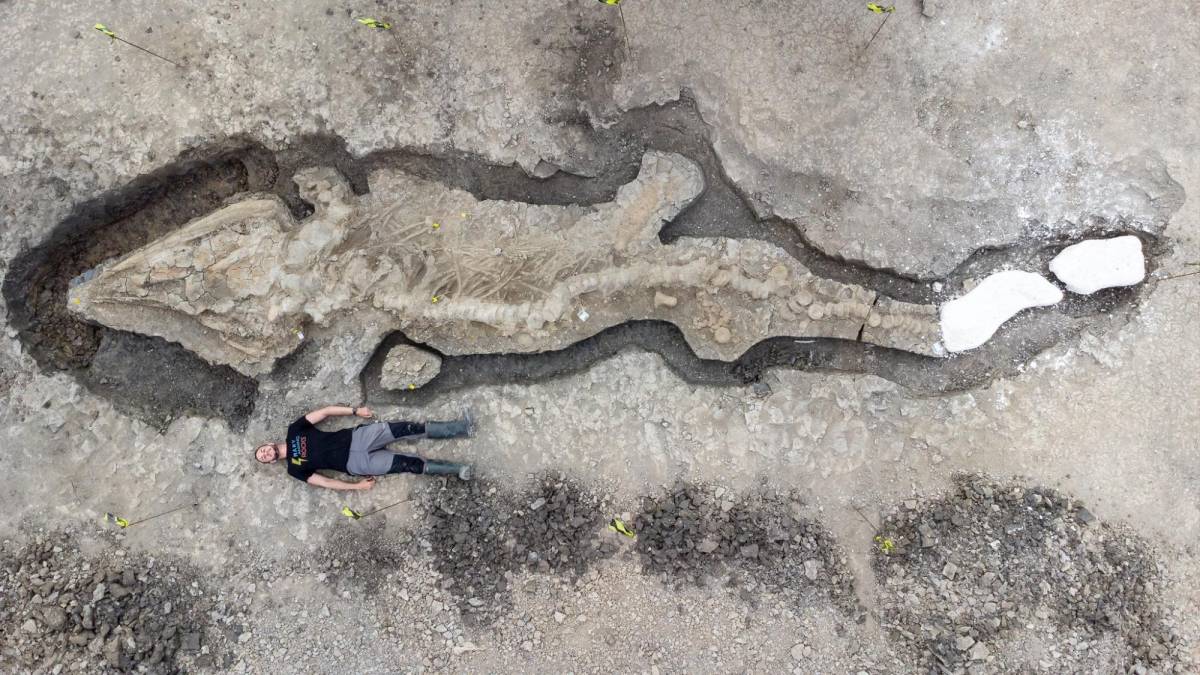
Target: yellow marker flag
{"x":377,"y":25}
{"x":619,"y":526}
{"x":880,"y":9}
{"x":104,"y":29}
{"x":610,"y":2}
{"x":351,"y":513}
{"x":116,"y":520}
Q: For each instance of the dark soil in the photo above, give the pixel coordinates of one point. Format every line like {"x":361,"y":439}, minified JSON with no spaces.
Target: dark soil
{"x":991,"y":557}
{"x":148,"y":377}
{"x":1006,"y":354}
{"x":158,"y":380}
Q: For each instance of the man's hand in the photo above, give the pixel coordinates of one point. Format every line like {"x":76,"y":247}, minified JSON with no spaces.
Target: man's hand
{"x":365,"y":412}
{"x":365,"y":484}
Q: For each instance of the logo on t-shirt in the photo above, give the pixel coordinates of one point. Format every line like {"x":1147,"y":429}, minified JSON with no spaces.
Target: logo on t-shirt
{"x":298,"y":450}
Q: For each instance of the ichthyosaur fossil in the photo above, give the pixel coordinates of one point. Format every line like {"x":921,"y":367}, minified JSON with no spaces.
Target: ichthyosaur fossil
{"x":239,"y":286}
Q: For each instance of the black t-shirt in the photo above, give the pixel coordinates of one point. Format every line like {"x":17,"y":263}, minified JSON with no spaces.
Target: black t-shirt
{"x":310,"y":449}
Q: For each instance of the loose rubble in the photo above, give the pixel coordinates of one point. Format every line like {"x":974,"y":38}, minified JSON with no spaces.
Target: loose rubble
{"x":62,"y":610}
{"x":760,"y":542}
{"x":998,"y":577}
{"x":481,"y":535}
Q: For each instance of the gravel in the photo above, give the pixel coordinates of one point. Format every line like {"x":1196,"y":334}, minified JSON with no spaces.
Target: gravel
{"x":759,"y":542}
{"x":1000,"y":576}
{"x":481,"y":534}
{"x":116,"y":612}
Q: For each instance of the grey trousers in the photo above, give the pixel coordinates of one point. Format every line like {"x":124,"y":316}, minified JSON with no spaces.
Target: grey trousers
{"x":369,"y":455}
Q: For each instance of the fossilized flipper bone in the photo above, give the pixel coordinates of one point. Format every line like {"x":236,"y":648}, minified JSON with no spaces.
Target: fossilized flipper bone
{"x":462,"y":275}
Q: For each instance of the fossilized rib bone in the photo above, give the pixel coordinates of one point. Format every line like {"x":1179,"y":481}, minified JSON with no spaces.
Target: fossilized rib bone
{"x":470,"y":276}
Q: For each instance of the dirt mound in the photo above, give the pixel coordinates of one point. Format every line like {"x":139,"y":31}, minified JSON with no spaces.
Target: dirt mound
{"x":759,"y":542}
{"x":480,"y":535}
{"x":1000,"y":576}
{"x":116,"y":612}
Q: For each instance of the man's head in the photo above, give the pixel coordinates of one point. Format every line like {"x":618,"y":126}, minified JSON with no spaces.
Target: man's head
{"x":268,"y":453}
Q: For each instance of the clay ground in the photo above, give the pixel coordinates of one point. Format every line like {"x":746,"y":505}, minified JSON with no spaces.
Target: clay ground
{"x":970,"y":126}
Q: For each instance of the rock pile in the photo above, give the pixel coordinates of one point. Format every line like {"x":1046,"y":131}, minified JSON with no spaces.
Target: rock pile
{"x":481,"y":535}
{"x":1001,"y":577}
{"x":63,"y":610}
{"x":763,"y":542}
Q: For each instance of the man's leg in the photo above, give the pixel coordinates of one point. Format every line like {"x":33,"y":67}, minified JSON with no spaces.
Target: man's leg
{"x":363,"y":440}
{"x":400,"y":463}
{"x":402,"y":430}
{"x":434,"y":467}
{"x":406,"y":464}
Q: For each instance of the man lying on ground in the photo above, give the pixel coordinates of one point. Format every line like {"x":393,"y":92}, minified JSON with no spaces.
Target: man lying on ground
{"x":360,"y":451}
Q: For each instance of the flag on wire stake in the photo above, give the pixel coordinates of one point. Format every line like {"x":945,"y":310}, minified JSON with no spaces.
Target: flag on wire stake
{"x":123,"y":523}
{"x":620,"y":13}
{"x":358,"y":515}
{"x":376,"y":24}
{"x":878,"y":9}
{"x":113,"y":36}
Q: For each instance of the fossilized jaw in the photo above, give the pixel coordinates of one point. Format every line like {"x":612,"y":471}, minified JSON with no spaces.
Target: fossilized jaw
{"x":468,"y":276}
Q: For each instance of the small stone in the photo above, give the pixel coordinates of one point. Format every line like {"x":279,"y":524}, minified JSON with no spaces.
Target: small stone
{"x":98,"y":593}
{"x":750,"y":551}
{"x":811,"y":569}
{"x":475,"y":602}
{"x":980,"y":652}
{"x":112,"y":652}
{"x":928,"y":538}
{"x":964,"y":643}
{"x":325,"y":613}
{"x":798,"y":651}
{"x":950,"y":570}
{"x":1084,"y":516}
{"x":537,"y":504}
{"x":707,"y":546}
{"x":30,"y":626}
{"x":722,"y":335}
{"x":190,"y":642}
{"x":54,"y":617}
{"x":663,"y":300}
{"x":559,"y":617}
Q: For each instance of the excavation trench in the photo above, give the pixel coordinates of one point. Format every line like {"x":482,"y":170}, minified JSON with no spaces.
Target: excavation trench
{"x":158,"y":380}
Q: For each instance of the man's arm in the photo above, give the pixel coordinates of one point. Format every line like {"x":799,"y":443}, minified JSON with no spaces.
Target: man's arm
{"x":317,"y":416}
{"x":335,"y":484}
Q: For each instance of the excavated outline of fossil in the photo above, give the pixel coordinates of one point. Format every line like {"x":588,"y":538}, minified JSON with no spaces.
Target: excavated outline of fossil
{"x":470,"y":276}
{"x":238,"y":286}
